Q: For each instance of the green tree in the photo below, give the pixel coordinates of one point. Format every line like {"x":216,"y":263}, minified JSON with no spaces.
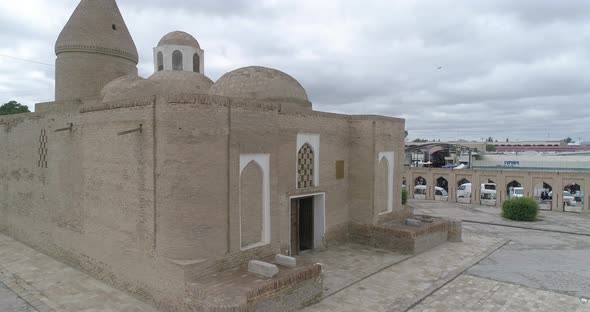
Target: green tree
{"x":13,"y":107}
{"x":568,"y":140}
{"x":490,"y":148}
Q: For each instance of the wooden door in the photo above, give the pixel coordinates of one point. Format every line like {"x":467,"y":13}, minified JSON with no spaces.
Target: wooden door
{"x":306,"y":223}
{"x":294,"y":227}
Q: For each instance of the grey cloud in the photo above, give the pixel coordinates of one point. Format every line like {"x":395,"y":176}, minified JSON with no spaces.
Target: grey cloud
{"x":453,"y":69}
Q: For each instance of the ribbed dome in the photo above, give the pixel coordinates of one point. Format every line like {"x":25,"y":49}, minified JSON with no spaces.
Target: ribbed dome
{"x":96,"y":26}
{"x":176,"y":81}
{"x":179,"y":38}
{"x":260,"y":83}
{"x":127,"y":87}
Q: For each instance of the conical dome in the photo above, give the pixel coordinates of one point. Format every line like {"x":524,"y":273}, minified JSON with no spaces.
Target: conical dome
{"x":96,"y":26}
{"x":93,"y":48}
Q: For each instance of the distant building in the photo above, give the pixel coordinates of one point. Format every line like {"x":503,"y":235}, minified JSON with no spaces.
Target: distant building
{"x":533,"y":161}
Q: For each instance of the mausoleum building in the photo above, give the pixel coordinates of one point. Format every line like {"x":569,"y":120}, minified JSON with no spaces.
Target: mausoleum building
{"x":165,"y":186}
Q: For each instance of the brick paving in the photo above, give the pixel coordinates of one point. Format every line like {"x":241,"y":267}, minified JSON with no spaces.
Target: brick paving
{"x":469,"y":293}
{"x":11,"y":302}
{"x":49,"y":285}
{"x":481,"y":274}
{"x":400,"y":286}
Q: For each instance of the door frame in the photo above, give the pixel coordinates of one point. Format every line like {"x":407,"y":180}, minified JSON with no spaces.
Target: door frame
{"x":319,"y":219}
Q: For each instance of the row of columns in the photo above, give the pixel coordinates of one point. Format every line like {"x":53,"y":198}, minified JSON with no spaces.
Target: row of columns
{"x":528,"y":180}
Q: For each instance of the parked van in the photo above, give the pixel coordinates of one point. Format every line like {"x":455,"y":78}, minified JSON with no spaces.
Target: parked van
{"x":515,"y":192}
{"x":488,"y":194}
{"x":420,"y":192}
{"x":488,"y":186}
{"x":464,"y":191}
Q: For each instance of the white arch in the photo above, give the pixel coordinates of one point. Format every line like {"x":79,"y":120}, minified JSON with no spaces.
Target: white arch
{"x":189,"y":51}
{"x":263,"y":161}
{"x":389,"y":157}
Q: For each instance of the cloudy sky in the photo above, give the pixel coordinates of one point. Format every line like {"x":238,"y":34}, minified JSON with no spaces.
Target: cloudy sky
{"x":453,"y":68}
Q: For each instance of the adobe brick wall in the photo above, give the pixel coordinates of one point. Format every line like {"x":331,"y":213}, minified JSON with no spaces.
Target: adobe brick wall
{"x":149,"y":211}
{"x":192,"y":178}
{"x":80,"y":75}
{"x":91,"y":205}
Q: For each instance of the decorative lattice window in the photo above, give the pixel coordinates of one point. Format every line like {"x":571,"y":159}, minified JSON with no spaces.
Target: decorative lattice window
{"x":305,"y":167}
{"x":43,"y":149}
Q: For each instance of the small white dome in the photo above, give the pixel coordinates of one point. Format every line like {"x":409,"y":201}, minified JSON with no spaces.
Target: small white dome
{"x":179,"y":38}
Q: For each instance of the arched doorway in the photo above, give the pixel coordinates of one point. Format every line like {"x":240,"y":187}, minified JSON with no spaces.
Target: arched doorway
{"x":514,"y":190}
{"x":420,"y":188}
{"x":542,"y":194}
{"x":488,"y":193}
{"x":464,"y":191}
{"x":441,"y":191}
{"x":573,"y":197}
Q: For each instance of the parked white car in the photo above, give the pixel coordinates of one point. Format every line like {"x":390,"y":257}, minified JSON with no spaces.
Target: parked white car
{"x":440,"y":194}
{"x":568,"y":198}
{"x":464,"y":190}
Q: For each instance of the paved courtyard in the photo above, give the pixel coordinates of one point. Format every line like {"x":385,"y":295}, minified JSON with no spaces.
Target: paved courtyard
{"x":11,"y":302}
{"x":46,"y":285}
{"x":500,"y":266}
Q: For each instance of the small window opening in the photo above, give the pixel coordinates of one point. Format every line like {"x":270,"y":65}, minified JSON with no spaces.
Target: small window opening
{"x":196,"y":63}
{"x":160,"y":61}
{"x":177,"y":60}
{"x":114,"y":27}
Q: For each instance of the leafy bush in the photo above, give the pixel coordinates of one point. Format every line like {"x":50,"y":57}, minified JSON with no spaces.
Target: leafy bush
{"x":13,"y":107}
{"x":404,"y":196}
{"x":520,"y":209}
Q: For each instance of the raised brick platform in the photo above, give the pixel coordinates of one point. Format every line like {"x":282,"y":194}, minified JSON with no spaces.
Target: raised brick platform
{"x":397,"y":236}
{"x":237,"y":290}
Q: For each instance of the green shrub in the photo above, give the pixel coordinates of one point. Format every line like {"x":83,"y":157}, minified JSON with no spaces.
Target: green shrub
{"x":404,"y":196}
{"x":520,"y":209}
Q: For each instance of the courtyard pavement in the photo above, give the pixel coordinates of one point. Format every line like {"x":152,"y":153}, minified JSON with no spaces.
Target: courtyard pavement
{"x":568,"y":222}
{"x":11,"y":302}
{"x":48,"y":285}
{"x":500,"y":266}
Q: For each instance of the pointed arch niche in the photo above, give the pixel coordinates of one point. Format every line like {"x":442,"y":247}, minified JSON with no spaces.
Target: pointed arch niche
{"x":386,"y":163}
{"x":254,"y":200}
{"x":311,"y":141}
